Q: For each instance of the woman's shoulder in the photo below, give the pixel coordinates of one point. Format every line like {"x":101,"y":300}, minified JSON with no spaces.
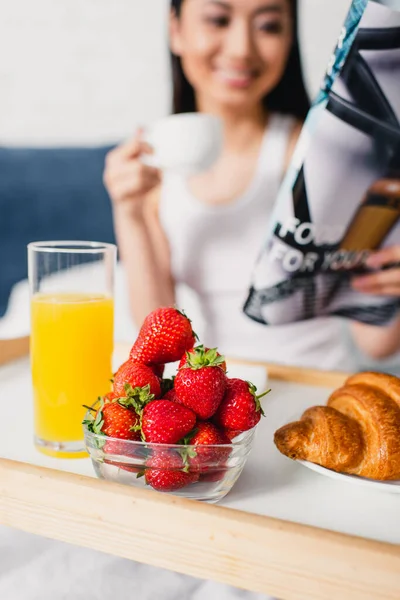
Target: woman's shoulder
{"x":289,"y":123}
{"x":283,"y":132}
{"x":292,"y":128}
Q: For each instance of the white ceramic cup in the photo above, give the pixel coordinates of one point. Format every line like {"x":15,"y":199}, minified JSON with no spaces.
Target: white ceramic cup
{"x":188,"y":143}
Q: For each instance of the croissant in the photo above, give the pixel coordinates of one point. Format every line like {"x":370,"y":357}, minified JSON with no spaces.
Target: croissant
{"x":358,"y":432}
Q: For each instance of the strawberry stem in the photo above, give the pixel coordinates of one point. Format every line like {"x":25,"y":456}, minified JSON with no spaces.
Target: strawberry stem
{"x":257,"y":398}
{"x":199,"y":357}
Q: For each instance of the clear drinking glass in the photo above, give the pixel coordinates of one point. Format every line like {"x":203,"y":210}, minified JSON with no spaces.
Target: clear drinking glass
{"x":72,"y":327}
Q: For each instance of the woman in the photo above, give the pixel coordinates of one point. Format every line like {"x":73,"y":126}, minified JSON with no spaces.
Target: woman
{"x":239,"y":60}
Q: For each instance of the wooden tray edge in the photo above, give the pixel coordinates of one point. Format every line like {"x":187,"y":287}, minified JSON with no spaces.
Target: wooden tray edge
{"x":12,"y":349}
{"x":316,"y":377}
{"x":288,"y":560}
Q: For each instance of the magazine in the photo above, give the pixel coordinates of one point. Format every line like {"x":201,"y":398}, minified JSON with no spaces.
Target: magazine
{"x":340,"y":200}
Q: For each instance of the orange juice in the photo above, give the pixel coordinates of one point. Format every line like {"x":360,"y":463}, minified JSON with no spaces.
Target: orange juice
{"x":71,"y":352}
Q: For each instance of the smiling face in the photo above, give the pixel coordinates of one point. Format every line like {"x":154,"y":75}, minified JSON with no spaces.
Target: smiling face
{"x":233,"y":52}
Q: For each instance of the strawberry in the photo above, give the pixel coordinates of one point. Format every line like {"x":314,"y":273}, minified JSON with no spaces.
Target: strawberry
{"x":240,"y":410}
{"x":134,"y":452}
{"x":166,"y":471}
{"x":231,"y":434}
{"x":136,"y":375}
{"x":208,"y":456}
{"x":157,"y":370}
{"x":167,"y":386}
{"x":170,"y":395}
{"x":120,"y":418}
{"x":207,"y":356}
{"x":164,"y":337}
{"x":116,"y":421}
{"x":165,"y":422}
{"x":201,"y":383}
{"x":109,"y":397}
{"x":122,"y":448}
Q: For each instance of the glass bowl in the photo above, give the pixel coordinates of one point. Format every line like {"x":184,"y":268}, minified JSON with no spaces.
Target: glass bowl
{"x":199,"y":472}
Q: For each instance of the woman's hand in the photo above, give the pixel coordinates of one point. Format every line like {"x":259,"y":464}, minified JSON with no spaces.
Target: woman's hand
{"x":379,"y":342}
{"x":381,"y":283}
{"x":127,"y":178}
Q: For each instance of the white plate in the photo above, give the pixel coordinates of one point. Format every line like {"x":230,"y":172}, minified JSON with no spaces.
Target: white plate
{"x":391,"y":487}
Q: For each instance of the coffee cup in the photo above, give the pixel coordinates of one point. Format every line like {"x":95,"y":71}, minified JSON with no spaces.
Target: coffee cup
{"x":187,"y":143}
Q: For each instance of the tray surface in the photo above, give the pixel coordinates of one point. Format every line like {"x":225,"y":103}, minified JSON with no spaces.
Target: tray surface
{"x":271,"y":485}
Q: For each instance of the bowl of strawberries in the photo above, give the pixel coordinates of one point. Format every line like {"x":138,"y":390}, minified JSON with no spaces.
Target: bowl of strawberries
{"x":189,"y":434}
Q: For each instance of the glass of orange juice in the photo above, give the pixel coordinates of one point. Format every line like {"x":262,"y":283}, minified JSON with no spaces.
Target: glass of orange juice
{"x":72,"y":323}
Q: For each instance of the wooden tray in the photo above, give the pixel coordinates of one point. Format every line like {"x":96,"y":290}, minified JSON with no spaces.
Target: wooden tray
{"x":284,"y":531}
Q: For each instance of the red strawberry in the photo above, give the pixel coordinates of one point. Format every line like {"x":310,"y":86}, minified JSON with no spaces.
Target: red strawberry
{"x":133,"y":452}
{"x":120,"y":418}
{"x":109,"y":397}
{"x":201,"y":384}
{"x":166,"y":472}
{"x":157,"y":370}
{"x":231,"y":434}
{"x":136,"y":375}
{"x":165,"y":422}
{"x":240,"y":410}
{"x":206,"y":356}
{"x":170,"y":395}
{"x":164,"y":337}
{"x":122,"y":448}
{"x":117,"y":421}
{"x":208,"y":456}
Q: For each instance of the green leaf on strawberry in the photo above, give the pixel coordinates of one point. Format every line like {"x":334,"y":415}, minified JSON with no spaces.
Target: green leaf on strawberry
{"x":187,"y":452}
{"x":136,"y":398}
{"x":95,"y":425}
{"x":200,"y":357}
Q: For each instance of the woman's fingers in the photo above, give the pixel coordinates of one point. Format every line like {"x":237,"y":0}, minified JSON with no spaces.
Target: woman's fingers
{"x":384,"y":257}
{"x":126,"y":176}
{"x":386,"y":283}
{"x":129,"y":182}
{"x":131,"y":169}
{"x":126,"y":151}
{"x":129,"y":150}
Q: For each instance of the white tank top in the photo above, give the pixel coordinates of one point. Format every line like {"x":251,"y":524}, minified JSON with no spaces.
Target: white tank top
{"x":214,"y":250}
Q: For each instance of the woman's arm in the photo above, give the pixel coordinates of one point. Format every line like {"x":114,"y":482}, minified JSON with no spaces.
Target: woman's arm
{"x":134,"y":191}
{"x":380,"y":342}
{"x":149,"y":279}
{"x":377,"y":342}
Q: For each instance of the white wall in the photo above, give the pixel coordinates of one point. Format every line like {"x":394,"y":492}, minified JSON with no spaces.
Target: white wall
{"x":89,"y":71}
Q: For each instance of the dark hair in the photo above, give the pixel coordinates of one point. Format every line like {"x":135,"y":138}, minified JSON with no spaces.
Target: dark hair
{"x":289,"y":97}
